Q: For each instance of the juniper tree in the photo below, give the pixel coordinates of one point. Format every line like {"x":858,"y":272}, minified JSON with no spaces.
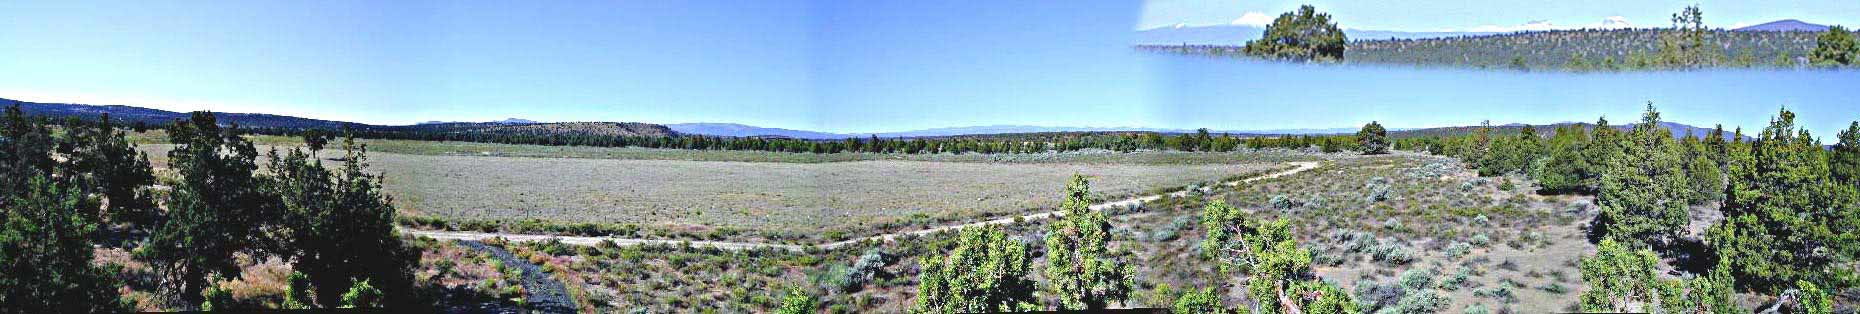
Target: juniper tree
{"x":1644,"y":191}
{"x":341,"y":227}
{"x":214,"y":210}
{"x":1786,"y":218}
{"x":1844,"y":163}
{"x":46,"y":253}
{"x":1702,"y":172}
{"x":1302,"y":35}
{"x":1565,"y":170}
{"x":101,"y":161}
{"x":1081,"y":269}
{"x":1279,"y":276}
{"x":1373,"y":139}
{"x":987,"y":272}
{"x":26,"y":148}
{"x":1623,"y":279}
{"x":1835,"y":47}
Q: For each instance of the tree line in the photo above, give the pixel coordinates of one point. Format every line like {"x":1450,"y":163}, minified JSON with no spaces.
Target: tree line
{"x":1790,"y":205}
{"x":85,"y":184}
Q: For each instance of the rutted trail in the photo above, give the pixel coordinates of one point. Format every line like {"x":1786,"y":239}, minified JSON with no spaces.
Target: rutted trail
{"x":585,"y":240}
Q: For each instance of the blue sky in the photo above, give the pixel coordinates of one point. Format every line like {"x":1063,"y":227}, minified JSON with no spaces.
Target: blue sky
{"x":837,"y":66}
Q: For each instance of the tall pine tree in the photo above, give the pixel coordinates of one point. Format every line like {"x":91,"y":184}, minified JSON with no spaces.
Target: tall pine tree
{"x":1644,"y":191}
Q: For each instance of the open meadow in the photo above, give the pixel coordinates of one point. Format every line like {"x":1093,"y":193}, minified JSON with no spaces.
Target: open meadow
{"x":1478,"y":243}
{"x":726,"y":195}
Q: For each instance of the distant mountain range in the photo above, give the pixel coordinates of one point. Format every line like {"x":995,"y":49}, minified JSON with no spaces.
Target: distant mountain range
{"x":504,"y":121}
{"x":733,"y":129}
{"x":1789,"y":25}
{"x":131,"y":114}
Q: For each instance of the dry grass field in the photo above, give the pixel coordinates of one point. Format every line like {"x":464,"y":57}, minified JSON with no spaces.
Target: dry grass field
{"x":1485,"y":245}
{"x":754,"y":195}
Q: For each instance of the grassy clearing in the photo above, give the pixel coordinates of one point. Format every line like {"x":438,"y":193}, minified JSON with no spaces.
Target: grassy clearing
{"x":639,"y":193}
{"x":1519,"y":257}
{"x":799,"y":200}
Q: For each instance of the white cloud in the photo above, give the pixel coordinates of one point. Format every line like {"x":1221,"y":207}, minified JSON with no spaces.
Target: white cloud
{"x":1612,"y":22}
{"x":1615,"y":22}
{"x":1253,"y":19}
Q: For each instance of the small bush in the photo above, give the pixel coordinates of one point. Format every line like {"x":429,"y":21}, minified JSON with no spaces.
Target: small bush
{"x":1280,"y":201}
{"x":1173,"y":230}
{"x":1469,"y":185}
{"x":1481,"y":240}
{"x":1458,"y":250}
{"x":1497,"y":293}
{"x":1477,"y":309}
{"x":1378,"y":190}
{"x":1374,"y":296}
{"x":1418,"y":278}
{"x":854,"y":278}
{"x":1554,"y":288}
{"x":1453,"y":283}
{"x":1393,"y":254}
{"x":1423,"y":301}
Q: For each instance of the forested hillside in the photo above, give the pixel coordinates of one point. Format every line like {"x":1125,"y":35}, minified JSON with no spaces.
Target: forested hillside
{"x":1572,"y":50}
{"x":1583,"y":50}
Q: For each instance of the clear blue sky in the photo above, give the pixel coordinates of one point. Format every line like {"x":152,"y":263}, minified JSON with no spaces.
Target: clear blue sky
{"x":1499,"y":15}
{"x":840,"y":66}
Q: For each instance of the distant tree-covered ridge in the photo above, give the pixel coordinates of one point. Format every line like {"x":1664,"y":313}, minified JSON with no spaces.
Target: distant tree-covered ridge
{"x":1688,"y":44}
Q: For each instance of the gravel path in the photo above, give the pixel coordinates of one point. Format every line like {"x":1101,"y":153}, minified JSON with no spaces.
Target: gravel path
{"x":542,"y":293}
{"x":1302,"y":166}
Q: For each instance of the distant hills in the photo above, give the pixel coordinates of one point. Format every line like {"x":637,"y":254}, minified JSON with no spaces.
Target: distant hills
{"x":739,"y":130}
{"x":132,"y":114}
{"x":504,"y":121}
{"x":1789,"y":25}
{"x":517,"y":126}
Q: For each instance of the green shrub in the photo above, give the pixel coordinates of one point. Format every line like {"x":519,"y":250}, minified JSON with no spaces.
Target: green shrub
{"x":1416,"y":279}
{"x":1458,"y":249}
